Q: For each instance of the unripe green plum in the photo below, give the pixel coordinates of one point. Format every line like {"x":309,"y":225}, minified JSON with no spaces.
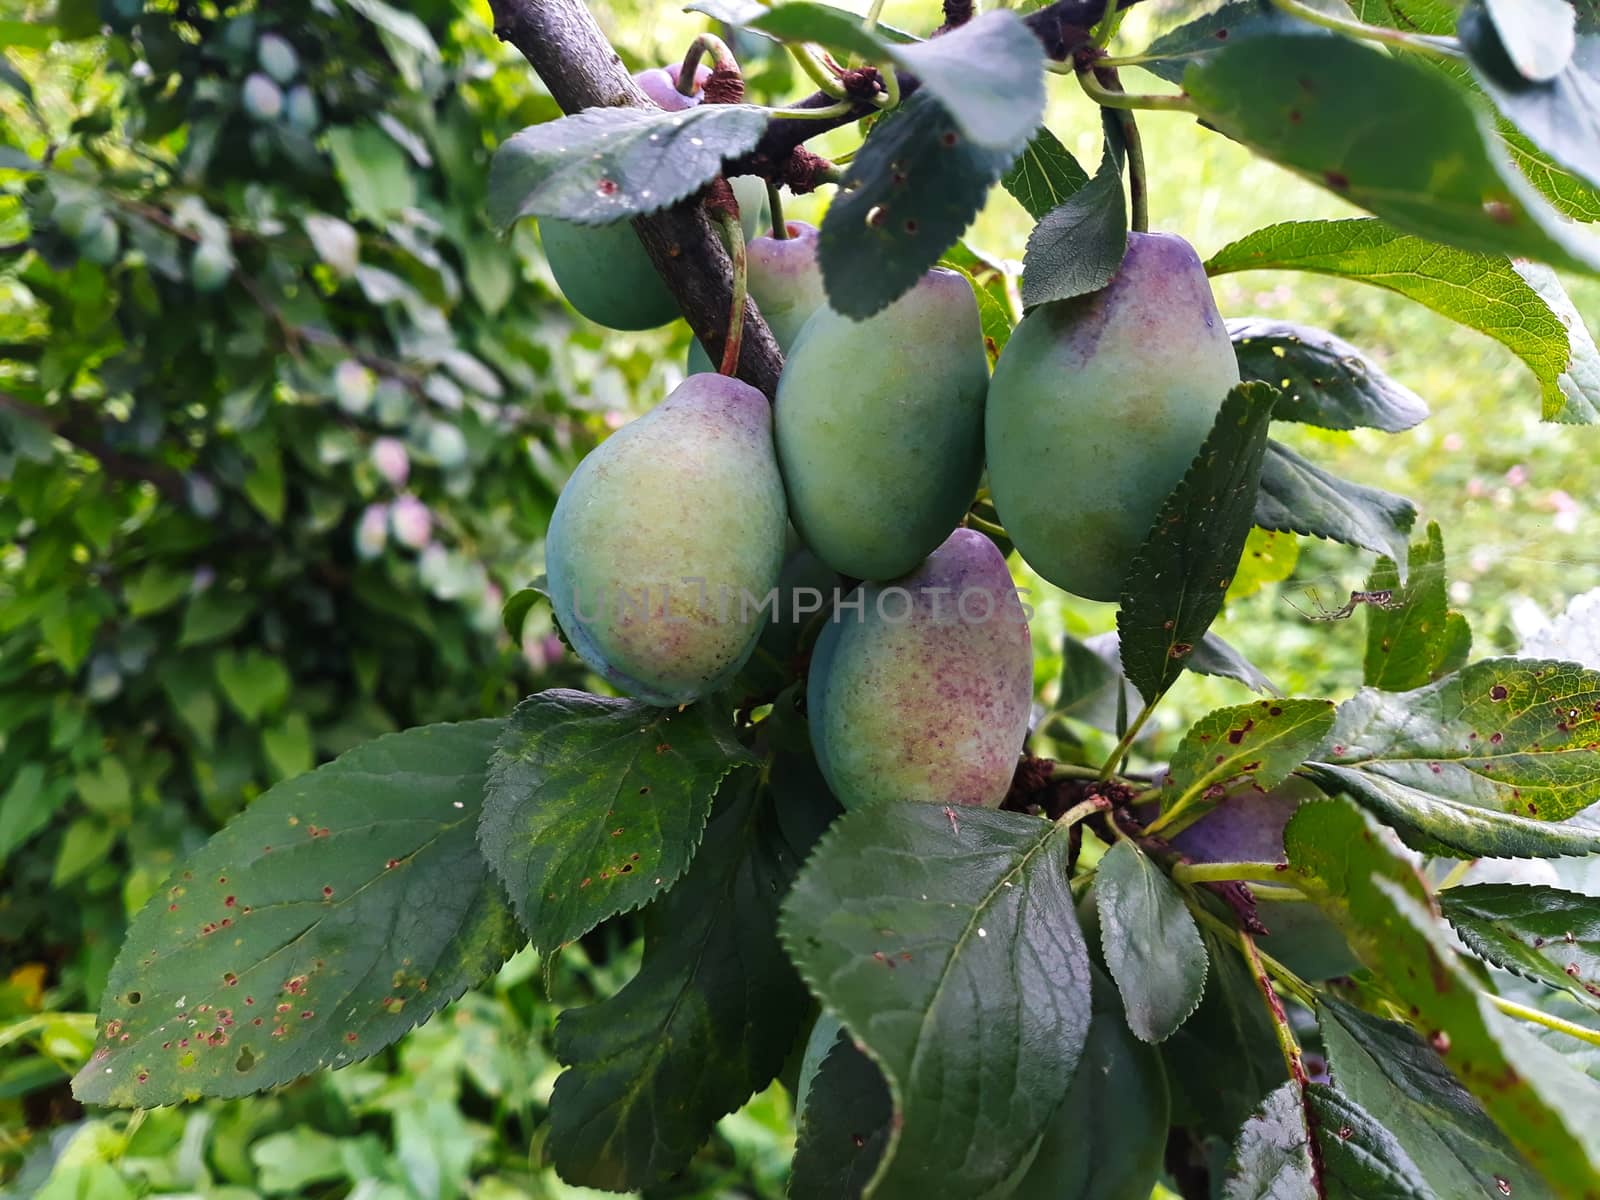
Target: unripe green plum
{"x":263,"y":99}
{"x":1098,"y":406}
{"x":785,"y":282}
{"x":211,"y":266}
{"x":662,"y":534}
{"x":277,"y":57}
{"x":301,"y":109}
{"x":880,"y":427}
{"x":1108,"y":1139}
{"x":1248,"y":827}
{"x":927,"y":695}
{"x":100,"y":240}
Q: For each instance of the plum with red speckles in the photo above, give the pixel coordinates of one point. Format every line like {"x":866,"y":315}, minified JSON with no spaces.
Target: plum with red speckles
{"x":667,"y":538}
{"x":785,"y":282}
{"x":927,"y":695}
{"x":1098,"y":406}
{"x":880,"y":427}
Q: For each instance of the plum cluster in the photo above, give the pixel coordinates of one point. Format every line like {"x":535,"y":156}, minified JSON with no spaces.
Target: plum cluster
{"x":666,"y":553}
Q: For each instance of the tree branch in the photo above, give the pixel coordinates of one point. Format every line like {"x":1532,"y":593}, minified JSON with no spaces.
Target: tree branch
{"x":565,"y":46}
{"x":75,"y":425}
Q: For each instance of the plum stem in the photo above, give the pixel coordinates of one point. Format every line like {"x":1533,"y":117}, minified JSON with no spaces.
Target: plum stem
{"x":780,"y":228}
{"x":974,"y":521}
{"x":1105,"y":26}
{"x":819,"y":74}
{"x":706,"y":44}
{"x":1120,"y":751}
{"x":1138,"y":189}
{"x":1433,"y":47}
{"x":733,"y":237}
{"x":1223,"y":871}
{"x":1523,"y":1012}
{"x":1078,"y":812}
{"x":873,"y":13}
{"x":1156,"y":102}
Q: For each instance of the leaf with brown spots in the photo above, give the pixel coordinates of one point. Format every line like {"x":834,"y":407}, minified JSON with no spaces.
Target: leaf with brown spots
{"x":1545,"y":934}
{"x":1258,"y":743}
{"x":595,"y":805}
{"x":1498,"y":759}
{"x":843,"y":1127}
{"x":338,"y":911}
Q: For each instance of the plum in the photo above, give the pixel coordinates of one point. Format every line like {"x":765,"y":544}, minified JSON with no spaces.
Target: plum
{"x":923,"y":692}
{"x":785,"y":282}
{"x":880,"y":427}
{"x":667,"y":539}
{"x":1098,"y":406}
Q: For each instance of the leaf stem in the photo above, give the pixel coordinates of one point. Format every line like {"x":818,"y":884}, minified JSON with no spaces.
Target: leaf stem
{"x":826,"y":113}
{"x":1138,"y":190}
{"x":1222,"y":872}
{"x":1280,"y":1019}
{"x":1523,"y":1012}
{"x":1456,"y":874}
{"x":1297,"y":987}
{"x":873,"y":13}
{"x":1062,"y":770}
{"x":706,"y":44}
{"x":1104,"y":25}
{"x":1174,"y":102}
{"x":1078,"y":812}
{"x":1109,"y":767}
{"x":1433,"y":47}
{"x":733,"y":237}
{"x":825,"y":79}
{"x":780,"y":228}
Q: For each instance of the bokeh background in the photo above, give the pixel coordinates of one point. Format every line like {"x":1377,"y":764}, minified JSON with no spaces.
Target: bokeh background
{"x":282,"y":419}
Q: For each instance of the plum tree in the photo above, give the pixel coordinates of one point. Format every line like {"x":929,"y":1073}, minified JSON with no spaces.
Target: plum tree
{"x":927,"y":695}
{"x":785,"y":281}
{"x":1098,"y":404}
{"x":666,"y":537}
{"x":880,"y":469}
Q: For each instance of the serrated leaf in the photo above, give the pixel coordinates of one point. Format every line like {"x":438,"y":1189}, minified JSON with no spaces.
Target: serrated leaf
{"x":801,"y":21}
{"x":1272,"y":1156}
{"x":1078,"y":246}
{"x":337,"y":912}
{"x":908,"y":194}
{"x":1521,"y":305}
{"x":1480,"y":761}
{"x":593,"y":805}
{"x":947,"y":944}
{"x":1382,"y":132}
{"x":1180,"y":575}
{"x":1410,"y":638}
{"x":708,"y":1020}
{"x":1151,"y":943}
{"x":1387,"y":1069}
{"x":987,"y":73}
{"x":1045,"y":175}
{"x":1300,"y":497}
{"x":1380,"y":903}
{"x":1361,"y":1160}
{"x":842,"y":1129}
{"x":1545,"y":934}
{"x":1170,"y":54}
{"x":1213,"y":656}
{"x":1259,"y":743}
{"x":1325,"y":380}
{"x":609,"y":164}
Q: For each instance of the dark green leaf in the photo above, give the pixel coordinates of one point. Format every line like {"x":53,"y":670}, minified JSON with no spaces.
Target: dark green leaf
{"x":1259,"y":743}
{"x":1045,"y":175}
{"x":1178,"y":579}
{"x":989,"y":76}
{"x":340,"y":910}
{"x":593,"y":805}
{"x":946,"y":942}
{"x":800,"y":21}
{"x":1235,"y":20}
{"x":1542,"y":933}
{"x":1479,"y":761}
{"x":1272,"y":1156}
{"x":709,"y":1018}
{"x":1394,"y":137}
{"x":517,"y":607}
{"x":1151,"y":943}
{"x":1325,"y":380}
{"x":908,"y":194}
{"x":1521,"y":305}
{"x":1410,"y":638}
{"x":1077,"y":246}
{"x":1299,"y":497}
{"x":1549,"y":1111}
{"x":1387,"y":1069}
{"x":608,"y":164}
{"x":1361,"y":1160}
{"x":1085,"y":675}
{"x":843,"y":1128}
{"x":1213,"y":656}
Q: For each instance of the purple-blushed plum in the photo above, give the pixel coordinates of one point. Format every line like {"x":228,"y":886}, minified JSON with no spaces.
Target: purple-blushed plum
{"x":388,"y":455}
{"x":785,"y":282}
{"x":661,"y":85}
{"x":1097,"y":407}
{"x":411,"y":522}
{"x":926,"y":696}
{"x":668,"y":539}
{"x":880,"y":427}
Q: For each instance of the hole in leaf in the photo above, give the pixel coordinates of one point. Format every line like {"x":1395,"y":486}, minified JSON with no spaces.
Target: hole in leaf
{"x":246,"y":1059}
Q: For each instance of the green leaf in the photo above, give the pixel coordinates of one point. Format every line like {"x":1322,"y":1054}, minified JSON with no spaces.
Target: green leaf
{"x":1361,"y":1160}
{"x":1300,"y":497}
{"x":1410,"y":638}
{"x":288,"y":747}
{"x":908,"y":194}
{"x":27,"y":807}
{"x":988,"y":74}
{"x":709,"y":1018}
{"x":594,"y":805}
{"x":333,"y":915}
{"x":1045,"y":175}
{"x":843,"y":1128}
{"x":253,"y":682}
{"x":1325,"y":380}
{"x":1480,"y":761}
{"x":1151,"y":943}
{"x":947,"y":944}
{"x":1213,"y":656}
{"x":1520,"y":305}
{"x":1178,"y":579}
{"x":154,"y":588}
{"x":1077,"y":246}
{"x":1272,"y":1156}
{"x":1085,"y":675}
{"x":106,"y":790}
{"x":1387,"y":1069}
{"x":1544,"y":934}
{"x":214,"y":614}
{"x":398,"y":24}
{"x":1395,"y":137}
{"x":1171,"y":53}
{"x":608,"y":164}
{"x":1536,"y":37}
{"x":800,"y":21}
{"x":85,"y":844}
{"x":1259,"y":744}
{"x":1381,"y":904}
{"x":375,"y":172}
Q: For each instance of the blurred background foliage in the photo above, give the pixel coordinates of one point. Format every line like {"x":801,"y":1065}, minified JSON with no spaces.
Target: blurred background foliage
{"x":281,"y":422}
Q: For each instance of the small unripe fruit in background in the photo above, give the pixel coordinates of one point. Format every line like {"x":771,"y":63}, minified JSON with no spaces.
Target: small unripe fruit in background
{"x":277,"y":57}
{"x":301,"y":109}
{"x":410,"y":522}
{"x":446,"y":445}
{"x":100,"y":240}
{"x":391,"y":460}
{"x":211,"y":266}
{"x":353,"y":387}
{"x":263,"y":99}
{"x":372,"y":531}
{"x":72,"y":217}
